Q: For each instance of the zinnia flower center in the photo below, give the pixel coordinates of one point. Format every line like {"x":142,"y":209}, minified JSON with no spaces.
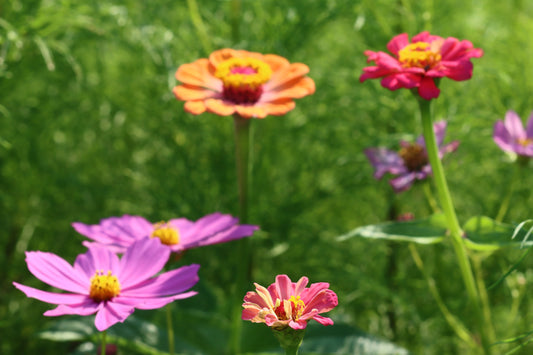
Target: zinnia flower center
{"x":414,"y":157}
{"x":243,"y":79}
{"x":166,"y":233}
{"x":104,"y":286}
{"x":419,"y":54}
{"x":292,"y":308}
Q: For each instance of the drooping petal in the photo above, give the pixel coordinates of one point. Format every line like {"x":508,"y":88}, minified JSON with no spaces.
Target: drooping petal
{"x":427,"y":89}
{"x":112,"y":313}
{"x":51,"y":297}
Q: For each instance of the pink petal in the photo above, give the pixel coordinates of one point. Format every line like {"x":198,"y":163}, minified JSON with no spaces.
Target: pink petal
{"x":85,"y":308}
{"x":402,"y":182}
{"x":514,"y":126}
{"x":427,"y":89}
{"x":323,"y":320}
{"x":529,"y":130}
{"x":56,"y":272}
{"x":385,"y":161}
{"x":168,"y":283}
{"x":142,"y":260}
{"x":397,"y":43}
{"x":51,"y":297}
{"x":152,"y":302}
{"x":300,"y":285}
{"x":97,"y":258}
{"x":283,"y":287}
{"x":112,"y":313}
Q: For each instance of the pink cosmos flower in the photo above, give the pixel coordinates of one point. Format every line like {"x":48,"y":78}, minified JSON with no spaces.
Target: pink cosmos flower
{"x":411,"y":162}
{"x":99,"y":282}
{"x":418,"y":63}
{"x":179,"y":234}
{"x":289,"y":304}
{"x":511,"y":136}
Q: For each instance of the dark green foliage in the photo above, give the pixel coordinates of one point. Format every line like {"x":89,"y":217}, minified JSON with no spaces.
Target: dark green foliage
{"x":89,"y":128}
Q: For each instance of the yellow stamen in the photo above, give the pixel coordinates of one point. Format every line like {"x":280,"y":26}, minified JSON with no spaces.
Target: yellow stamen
{"x":292,"y":308}
{"x":166,"y":233}
{"x":525,"y":141}
{"x":419,"y":54}
{"x":104,"y":287}
{"x":248,"y":72}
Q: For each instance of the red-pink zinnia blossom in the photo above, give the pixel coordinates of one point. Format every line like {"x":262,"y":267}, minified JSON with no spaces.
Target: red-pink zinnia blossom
{"x":99,"y":282}
{"x":416,"y":64}
{"x":286,"y":303}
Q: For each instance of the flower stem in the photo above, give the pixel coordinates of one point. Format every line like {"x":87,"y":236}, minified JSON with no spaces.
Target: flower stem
{"x":289,"y":339}
{"x":456,"y":234}
{"x":504,"y":207}
{"x":103,"y":344}
{"x":196,"y":19}
{"x":243,"y":255}
{"x":235,"y":20}
{"x":170,"y":329}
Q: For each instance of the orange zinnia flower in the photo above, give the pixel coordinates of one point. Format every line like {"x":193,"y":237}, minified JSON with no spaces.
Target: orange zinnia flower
{"x":249,"y":84}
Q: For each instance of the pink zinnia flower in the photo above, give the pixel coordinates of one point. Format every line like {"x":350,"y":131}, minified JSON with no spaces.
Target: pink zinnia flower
{"x":511,"y":136}
{"x":287,"y":303}
{"x":418,"y":63}
{"x":178,"y":234}
{"x":101,"y":283}
{"x":411,"y":163}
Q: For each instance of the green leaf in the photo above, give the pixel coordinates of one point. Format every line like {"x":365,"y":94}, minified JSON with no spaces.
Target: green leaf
{"x":485,"y":234}
{"x":424,"y":231}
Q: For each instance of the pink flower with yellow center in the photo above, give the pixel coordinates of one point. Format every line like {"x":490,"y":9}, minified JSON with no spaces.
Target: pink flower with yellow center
{"x":179,"y":234}
{"x":99,"y":282}
{"x":249,"y":84}
{"x":417,"y":64}
{"x":511,"y":136}
{"x":289,"y":304}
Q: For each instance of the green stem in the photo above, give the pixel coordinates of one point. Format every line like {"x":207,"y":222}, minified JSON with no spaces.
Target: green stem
{"x":483,"y":295}
{"x":235,"y":20}
{"x":504,"y":207}
{"x":244,"y":252}
{"x":103,"y":343}
{"x":457,"y":326}
{"x":196,"y":19}
{"x":170,"y":329}
{"x":430,"y":198}
{"x":456,"y":234}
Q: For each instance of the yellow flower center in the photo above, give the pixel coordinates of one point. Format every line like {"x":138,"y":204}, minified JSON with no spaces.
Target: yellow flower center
{"x":292,"y":308}
{"x":419,"y":54}
{"x":243,"y":79}
{"x":104,"y":286}
{"x":166,"y":233}
{"x":525,"y":141}
{"x":414,"y":157}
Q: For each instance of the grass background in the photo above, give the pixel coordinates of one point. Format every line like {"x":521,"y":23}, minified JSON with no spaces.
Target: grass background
{"x":89,"y":128}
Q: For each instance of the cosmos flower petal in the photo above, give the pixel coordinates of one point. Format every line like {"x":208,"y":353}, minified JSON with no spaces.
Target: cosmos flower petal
{"x":97,"y":258}
{"x":168,"y":283}
{"x":111,"y":314}
{"x":153,"y":302}
{"x":529,"y":129}
{"x":513,"y":125}
{"x":384,"y":161}
{"x":85,"y":308}
{"x":402,"y":182}
{"x":143,"y":259}
{"x":55,"y":271}
{"x":51,"y":297}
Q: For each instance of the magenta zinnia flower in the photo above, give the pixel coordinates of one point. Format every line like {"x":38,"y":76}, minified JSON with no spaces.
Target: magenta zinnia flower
{"x":511,"y":136}
{"x":411,"y":162}
{"x":178,"y":234}
{"x":289,"y":304}
{"x":418,"y":63}
{"x":101,"y":283}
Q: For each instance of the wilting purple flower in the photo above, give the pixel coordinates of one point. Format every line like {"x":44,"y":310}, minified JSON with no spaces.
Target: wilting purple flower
{"x":178,"y":234}
{"x":511,"y":136}
{"x":101,"y":283}
{"x":411,"y":163}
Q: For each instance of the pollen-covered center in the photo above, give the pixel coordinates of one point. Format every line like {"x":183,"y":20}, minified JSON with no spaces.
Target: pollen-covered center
{"x":524,"y":142}
{"x":104,"y":286}
{"x":419,"y":54}
{"x":166,"y":233}
{"x":414,"y":157}
{"x":243,"y":79}
{"x":292,"y":308}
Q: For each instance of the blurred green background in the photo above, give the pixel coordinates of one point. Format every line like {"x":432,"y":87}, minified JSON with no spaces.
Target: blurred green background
{"x":89,"y":128}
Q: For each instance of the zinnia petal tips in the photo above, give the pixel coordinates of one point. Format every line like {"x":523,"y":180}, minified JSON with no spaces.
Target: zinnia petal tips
{"x":112,"y":289}
{"x":289,"y":304}
{"x":417,"y":64}
{"x":249,"y":84}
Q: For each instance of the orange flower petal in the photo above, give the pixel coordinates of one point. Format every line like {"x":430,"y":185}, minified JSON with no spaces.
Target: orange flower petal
{"x":295,"y":89}
{"x":279,"y":107}
{"x":187,"y":92}
{"x":194,"y":107}
{"x":252,"y":111}
{"x":220,"y":107}
{"x":221,"y":55}
{"x":199,"y":73}
{"x":276,"y":62}
{"x":286,"y":74}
